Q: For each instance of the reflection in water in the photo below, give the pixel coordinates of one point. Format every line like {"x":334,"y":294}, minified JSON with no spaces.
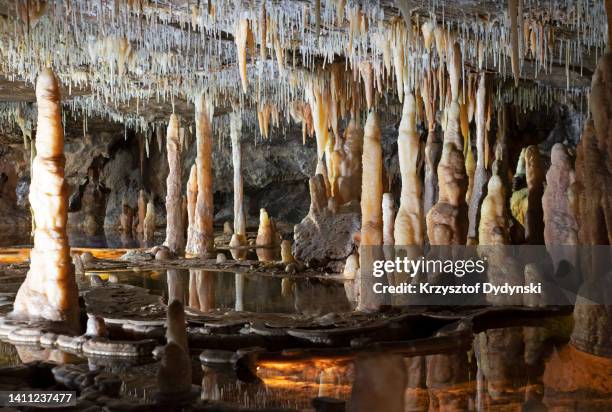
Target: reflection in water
{"x":201,"y":290}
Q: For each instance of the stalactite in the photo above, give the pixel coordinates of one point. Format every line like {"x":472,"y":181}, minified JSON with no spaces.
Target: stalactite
{"x":175,"y":239}
{"x":241,"y":36}
{"x":49,"y":291}
{"x":480,"y":174}
{"x":409,"y":221}
{"x":201,"y":236}
{"x":365,"y":68}
{"x":349,"y":181}
{"x":513,"y":7}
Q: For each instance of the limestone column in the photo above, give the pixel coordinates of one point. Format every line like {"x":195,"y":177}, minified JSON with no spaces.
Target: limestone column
{"x":371,"y":212}
{"x":239,"y":236}
{"x":201,"y":236}
{"x":480,"y":175}
{"x":534,"y":216}
{"x":174,"y":220}
{"x":49,"y":291}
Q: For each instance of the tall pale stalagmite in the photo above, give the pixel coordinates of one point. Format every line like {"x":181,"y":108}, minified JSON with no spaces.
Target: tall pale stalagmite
{"x":149,"y":224}
{"x":371,"y":210}
{"x":409,"y":221}
{"x":200,"y":237}
{"x":235,"y":135}
{"x":142,"y":210}
{"x":480,"y":174}
{"x":49,"y":291}
{"x":175,"y":234}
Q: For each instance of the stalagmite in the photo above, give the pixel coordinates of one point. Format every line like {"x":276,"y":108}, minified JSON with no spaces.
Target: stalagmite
{"x":388,"y":213}
{"x":192,"y":197}
{"x":480,"y":174}
{"x":175,"y":234}
{"x":447,"y":219}
{"x":371,"y":210}
{"x":286,"y":255}
{"x":239,"y":236}
{"x":534,"y":217}
{"x":493,"y":225}
{"x":266,"y":238}
{"x":560,"y":227}
{"x":142,"y":211}
{"x":126,"y":219}
{"x":409,"y":221}
{"x":49,"y":290}
{"x":371,"y":189}
{"x":200,"y":237}
{"x":149,"y":224}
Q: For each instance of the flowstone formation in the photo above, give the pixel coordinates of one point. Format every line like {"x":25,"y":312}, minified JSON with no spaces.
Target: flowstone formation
{"x":49,"y":291}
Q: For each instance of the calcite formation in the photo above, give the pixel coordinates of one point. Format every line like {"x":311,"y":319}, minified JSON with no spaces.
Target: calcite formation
{"x":388,"y":210}
{"x":560,"y":226}
{"x":349,"y":181}
{"x":49,"y":291}
{"x":480,"y":173}
{"x":149,"y":223}
{"x":239,"y":216}
{"x":200,"y":237}
{"x":142,"y":210}
{"x":447,"y":220}
{"x":409,"y":221}
{"x":371,"y":210}
{"x":175,"y":234}
{"x":126,"y":219}
{"x":286,"y":255}
{"x":593,"y":323}
{"x":493,"y":225}
{"x":266,"y":240}
{"x":534,"y":216}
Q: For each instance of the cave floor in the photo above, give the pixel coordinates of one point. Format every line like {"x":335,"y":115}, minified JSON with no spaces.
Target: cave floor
{"x":261,"y":338}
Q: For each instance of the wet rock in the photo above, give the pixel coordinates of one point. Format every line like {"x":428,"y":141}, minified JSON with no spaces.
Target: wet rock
{"x":218,"y":356}
{"x":174,"y":374}
{"x":221,"y":258}
{"x":164,"y":254}
{"x":105,"y":347}
{"x":95,"y":326}
{"x":325,"y":237}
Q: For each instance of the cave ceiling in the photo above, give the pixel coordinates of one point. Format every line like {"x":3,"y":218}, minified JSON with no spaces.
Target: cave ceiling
{"x":136,"y":61}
